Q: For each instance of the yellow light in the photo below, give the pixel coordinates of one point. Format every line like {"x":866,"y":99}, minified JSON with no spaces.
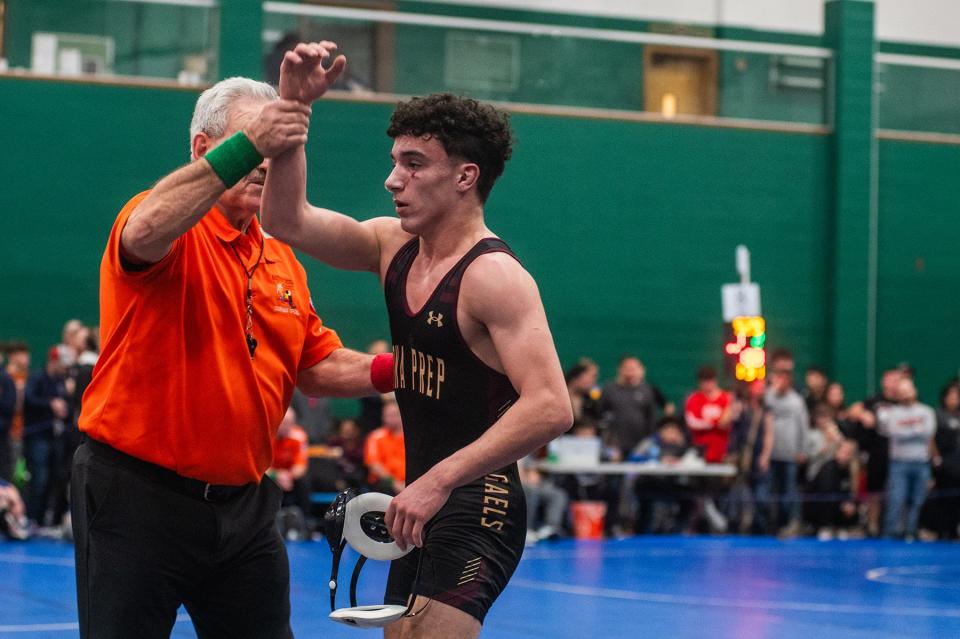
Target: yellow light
{"x":749,"y":326}
{"x":668,"y":105}
{"x":753,"y":357}
{"x":751,"y":360}
{"x":745,"y":373}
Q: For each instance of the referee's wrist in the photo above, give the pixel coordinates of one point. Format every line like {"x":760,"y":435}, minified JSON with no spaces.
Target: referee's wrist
{"x":233,"y":159}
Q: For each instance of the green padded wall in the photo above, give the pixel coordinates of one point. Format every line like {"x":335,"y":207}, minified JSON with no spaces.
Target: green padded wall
{"x":629,"y":228}
{"x":74,"y":153}
{"x":919,"y":263}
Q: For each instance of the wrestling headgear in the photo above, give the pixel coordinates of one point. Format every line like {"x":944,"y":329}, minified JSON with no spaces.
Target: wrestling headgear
{"x":358,"y":520}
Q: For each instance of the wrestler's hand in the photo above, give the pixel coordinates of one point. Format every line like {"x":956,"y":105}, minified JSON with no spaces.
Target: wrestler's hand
{"x":412,"y":508}
{"x":280,"y":125}
{"x":302,"y":75}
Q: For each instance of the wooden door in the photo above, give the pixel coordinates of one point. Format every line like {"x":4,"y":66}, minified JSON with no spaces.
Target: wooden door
{"x":680,"y":81}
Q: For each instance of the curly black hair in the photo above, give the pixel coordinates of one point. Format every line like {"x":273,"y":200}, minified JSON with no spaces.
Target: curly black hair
{"x":467,"y":129}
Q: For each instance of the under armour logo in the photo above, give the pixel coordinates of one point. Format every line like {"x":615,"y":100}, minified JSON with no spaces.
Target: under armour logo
{"x":438,"y":319}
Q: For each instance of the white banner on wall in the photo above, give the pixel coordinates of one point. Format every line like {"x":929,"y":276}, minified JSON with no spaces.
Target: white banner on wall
{"x":914,"y":21}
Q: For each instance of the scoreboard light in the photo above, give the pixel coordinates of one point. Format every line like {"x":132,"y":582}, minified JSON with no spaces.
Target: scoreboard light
{"x":750,"y":337}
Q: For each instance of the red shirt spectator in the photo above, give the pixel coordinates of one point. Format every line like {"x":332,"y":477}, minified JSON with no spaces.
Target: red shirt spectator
{"x":707,"y":413}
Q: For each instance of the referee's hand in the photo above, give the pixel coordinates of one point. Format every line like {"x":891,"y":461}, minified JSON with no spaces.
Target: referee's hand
{"x":280,"y":125}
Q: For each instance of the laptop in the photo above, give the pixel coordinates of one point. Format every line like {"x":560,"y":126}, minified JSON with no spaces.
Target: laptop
{"x":578,"y":451}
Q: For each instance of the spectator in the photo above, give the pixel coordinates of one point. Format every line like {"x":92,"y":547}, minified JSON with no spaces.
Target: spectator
{"x":348,"y":442}
{"x":540,"y":490}
{"x":84,"y":342}
{"x":313,"y":415}
{"x":835,"y":401}
{"x":822,"y":440}
{"x":18,"y":368}
{"x":290,"y":460}
{"x":830,"y":514}
{"x":751,"y":442}
{"x":946,"y":516}
{"x":875,"y":444}
{"x":81,"y":347}
{"x":289,"y":467}
{"x":44,"y":413}
{"x":71,"y":342}
{"x":910,"y":427}
{"x":709,"y":416}
{"x":371,"y":407}
{"x":668,"y":445}
{"x":816,"y":389}
{"x":790,"y":422}
{"x":13,"y":520}
{"x":384,"y":453}
{"x":629,"y":405}
{"x":8,"y":407}
{"x":582,"y":387}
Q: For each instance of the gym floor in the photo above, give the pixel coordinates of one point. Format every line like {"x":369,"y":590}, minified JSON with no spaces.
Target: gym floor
{"x":675,"y":587}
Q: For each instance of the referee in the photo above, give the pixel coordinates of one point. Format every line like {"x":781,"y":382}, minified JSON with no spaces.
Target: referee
{"x":207,"y":325}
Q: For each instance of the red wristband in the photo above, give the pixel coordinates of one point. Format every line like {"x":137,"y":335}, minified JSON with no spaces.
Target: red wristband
{"x":381,"y":372}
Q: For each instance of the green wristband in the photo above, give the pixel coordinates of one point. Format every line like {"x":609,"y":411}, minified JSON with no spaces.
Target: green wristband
{"x":233,"y":158}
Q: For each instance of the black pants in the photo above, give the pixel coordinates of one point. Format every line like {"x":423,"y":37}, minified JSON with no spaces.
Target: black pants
{"x":831,"y":480}
{"x":144,"y":546}
{"x":6,"y":457}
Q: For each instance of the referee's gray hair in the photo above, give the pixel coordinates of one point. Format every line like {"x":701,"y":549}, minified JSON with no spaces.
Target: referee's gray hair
{"x":213,"y":106}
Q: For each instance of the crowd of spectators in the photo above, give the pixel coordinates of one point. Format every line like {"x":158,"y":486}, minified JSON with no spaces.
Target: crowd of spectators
{"x":804,"y":460}
{"x":39,"y":407}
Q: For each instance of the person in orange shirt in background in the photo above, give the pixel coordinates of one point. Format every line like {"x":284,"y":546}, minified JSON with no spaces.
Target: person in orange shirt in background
{"x":290,"y":459}
{"x":290,"y":463}
{"x":384,"y":453}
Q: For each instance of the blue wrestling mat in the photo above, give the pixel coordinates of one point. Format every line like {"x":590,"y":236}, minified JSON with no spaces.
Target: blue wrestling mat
{"x":737,"y":588}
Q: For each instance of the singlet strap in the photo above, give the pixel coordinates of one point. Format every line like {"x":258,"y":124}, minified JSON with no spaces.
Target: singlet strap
{"x":451,"y":285}
{"x":399,"y":266}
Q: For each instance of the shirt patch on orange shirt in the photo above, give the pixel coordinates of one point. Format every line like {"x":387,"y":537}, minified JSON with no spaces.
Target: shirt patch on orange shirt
{"x":284,"y":297}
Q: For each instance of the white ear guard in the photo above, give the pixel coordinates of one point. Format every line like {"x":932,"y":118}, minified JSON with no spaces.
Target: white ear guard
{"x":358,"y":520}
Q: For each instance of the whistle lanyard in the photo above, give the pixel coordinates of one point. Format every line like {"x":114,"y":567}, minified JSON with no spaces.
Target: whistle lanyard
{"x":251,"y":341}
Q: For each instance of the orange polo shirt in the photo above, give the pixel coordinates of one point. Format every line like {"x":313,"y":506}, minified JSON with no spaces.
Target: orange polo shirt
{"x":385,"y":447}
{"x":175,"y":384}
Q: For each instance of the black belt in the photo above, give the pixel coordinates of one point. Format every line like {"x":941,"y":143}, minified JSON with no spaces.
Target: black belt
{"x":195,"y":488}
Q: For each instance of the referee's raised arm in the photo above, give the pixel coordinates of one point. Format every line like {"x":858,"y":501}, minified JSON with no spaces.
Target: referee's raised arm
{"x":218,"y":164}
